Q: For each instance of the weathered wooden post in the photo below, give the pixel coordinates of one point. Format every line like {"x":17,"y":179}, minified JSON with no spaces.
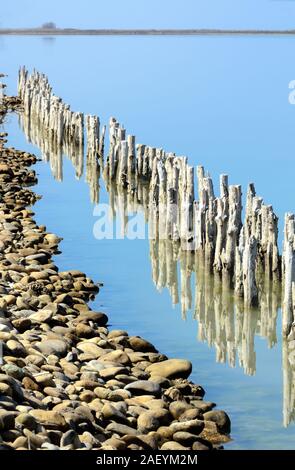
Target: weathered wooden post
{"x":289,"y":273}
{"x":233,"y":228}
{"x":221,"y":220}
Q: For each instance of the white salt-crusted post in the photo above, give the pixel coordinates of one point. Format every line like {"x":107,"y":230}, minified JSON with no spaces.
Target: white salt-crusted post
{"x":289,"y":274}
{"x":221,"y":220}
{"x":162,"y":175}
{"x":123,"y":164}
{"x":101,"y":144}
{"x":140,"y":150}
{"x":187,"y":208}
{"x":233,"y":228}
{"x":131,"y":154}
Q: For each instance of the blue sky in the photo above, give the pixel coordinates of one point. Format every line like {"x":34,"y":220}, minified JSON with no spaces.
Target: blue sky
{"x":150,"y":13}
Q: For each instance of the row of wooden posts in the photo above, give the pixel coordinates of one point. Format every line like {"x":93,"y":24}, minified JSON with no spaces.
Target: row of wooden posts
{"x":210,"y":225}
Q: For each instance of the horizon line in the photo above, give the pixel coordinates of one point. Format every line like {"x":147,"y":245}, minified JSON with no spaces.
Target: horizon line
{"x":141,"y":32}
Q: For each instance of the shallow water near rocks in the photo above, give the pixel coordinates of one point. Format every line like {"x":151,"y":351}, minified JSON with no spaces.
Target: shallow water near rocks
{"x":223,"y":102}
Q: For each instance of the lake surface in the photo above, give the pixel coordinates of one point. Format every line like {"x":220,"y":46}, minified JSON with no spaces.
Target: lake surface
{"x":223,"y":102}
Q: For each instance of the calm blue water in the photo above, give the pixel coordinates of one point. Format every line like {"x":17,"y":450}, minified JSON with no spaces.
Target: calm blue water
{"x":223,"y":102}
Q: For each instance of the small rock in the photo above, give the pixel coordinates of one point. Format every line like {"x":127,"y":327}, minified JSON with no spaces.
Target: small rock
{"x":171,"y":368}
{"x":16,"y":348}
{"x":110,"y":412}
{"x":43,"y":316}
{"x":139,"y":344}
{"x":144,"y":387}
{"x":194,"y":426}
{"x":177,"y":408}
{"x":26,"y":420}
{"x":49,"y":419}
{"x":57,"y":347}
{"x":171,"y":445}
{"x":185,"y":438}
{"x":147,"y":422}
{"x":220,"y":418}
{"x":7,"y":420}
{"x":121,"y":429}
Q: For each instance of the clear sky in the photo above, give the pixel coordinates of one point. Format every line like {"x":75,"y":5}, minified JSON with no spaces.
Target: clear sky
{"x":149,"y":13}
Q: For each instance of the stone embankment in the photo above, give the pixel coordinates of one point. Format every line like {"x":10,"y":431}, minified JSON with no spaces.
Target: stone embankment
{"x":66,"y":380}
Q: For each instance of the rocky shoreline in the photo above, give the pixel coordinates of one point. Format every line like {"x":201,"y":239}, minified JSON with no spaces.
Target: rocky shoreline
{"x":66,"y":380}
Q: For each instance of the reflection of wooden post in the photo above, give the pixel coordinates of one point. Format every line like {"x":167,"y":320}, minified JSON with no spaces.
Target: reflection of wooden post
{"x":249,"y":280}
{"x":248,"y":355}
{"x":163,"y":259}
{"x":172,"y":204}
{"x":154,"y":257}
{"x":172,"y":256}
{"x":288,"y":384}
{"x":123,"y":164}
{"x":162,"y":175}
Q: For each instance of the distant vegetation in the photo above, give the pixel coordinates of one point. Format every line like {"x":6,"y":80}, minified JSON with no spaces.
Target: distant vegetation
{"x":48,"y":25}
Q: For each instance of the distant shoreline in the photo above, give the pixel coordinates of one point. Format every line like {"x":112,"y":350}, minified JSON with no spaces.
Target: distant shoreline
{"x":142,"y":32}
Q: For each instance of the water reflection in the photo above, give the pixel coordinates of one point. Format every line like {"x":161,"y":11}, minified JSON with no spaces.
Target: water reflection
{"x":223,"y":321}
